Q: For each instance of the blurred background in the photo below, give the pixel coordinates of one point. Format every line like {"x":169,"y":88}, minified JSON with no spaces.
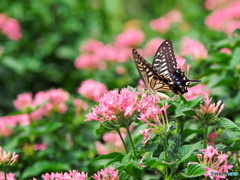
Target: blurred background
{"x":60,"y":44}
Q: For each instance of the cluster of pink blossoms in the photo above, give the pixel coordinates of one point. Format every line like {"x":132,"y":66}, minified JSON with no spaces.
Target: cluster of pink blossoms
{"x":193,"y":48}
{"x":163,"y":23}
{"x":126,"y":103}
{"x":10,"y":176}
{"x":214,"y":4}
{"x":92,"y":90}
{"x":10,"y":27}
{"x":103,"y":174}
{"x":106,"y":174}
{"x":95,"y":54}
{"x":48,"y":101}
{"x":225,"y":19}
{"x":215,"y":162}
{"x":72,"y":174}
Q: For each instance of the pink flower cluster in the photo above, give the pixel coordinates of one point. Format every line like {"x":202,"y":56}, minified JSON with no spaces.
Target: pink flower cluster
{"x":163,"y":23}
{"x":106,"y":174}
{"x":114,"y":104}
{"x":92,"y":90}
{"x":8,"y":122}
{"x":193,"y":48}
{"x":7,"y":158}
{"x":214,"y":4}
{"x":48,"y":101}
{"x":208,"y":112}
{"x":215,"y":161}
{"x":95,"y":54}
{"x":10,"y":27}
{"x":10,"y":176}
{"x":72,"y":174}
{"x":195,"y":91}
{"x":225,"y":19}
{"x":151,"y":47}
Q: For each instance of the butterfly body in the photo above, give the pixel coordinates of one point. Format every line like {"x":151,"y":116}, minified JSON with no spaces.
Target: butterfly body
{"x":163,"y":74}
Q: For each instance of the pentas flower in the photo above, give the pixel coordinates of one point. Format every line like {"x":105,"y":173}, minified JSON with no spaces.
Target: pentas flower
{"x":92,"y":90}
{"x":10,"y":27}
{"x":225,"y":51}
{"x":91,"y":46}
{"x":89,"y":61}
{"x":7,"y":122}
{"x":23,"y":101}
{"x":150,"y":111}
{"x":209,"y":112}
{"x":71,"y":175}
{"x":163,"y":23}
{"x":193,"y":48}
{"x":106,"y":174}
{"x":213,"y":4}
{"x":182,"y":64}
{"x":129,"y":38}
{"x":10,"y":176}
{"x":39,"y":147}
{"x":225,"y":19}
{"x":7,"y":158}
{"x":211,"y":137}
{"x":215,"y":162}
{"x":196,"y":91}
{"x":114,"y":105}
{"x":146,"y":135}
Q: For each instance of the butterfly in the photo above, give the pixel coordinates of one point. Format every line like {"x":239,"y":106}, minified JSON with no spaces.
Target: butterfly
{"x":163,"y":74}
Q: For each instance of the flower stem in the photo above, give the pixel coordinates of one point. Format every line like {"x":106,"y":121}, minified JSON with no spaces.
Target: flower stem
{"x":131,"y":142}
{"x":5,"y":173}
{"x":205,"y":135}
{"x":124,"y":144}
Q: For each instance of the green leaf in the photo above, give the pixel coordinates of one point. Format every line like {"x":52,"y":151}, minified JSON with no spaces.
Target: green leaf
{"x":107,"y":156}
{"x":185,"y":151}
{"x":194,"y":102}
{"x":193,"y":170}
{"x":235,"y":58}
{"x":227,"y":124}
{"x":41,"y":166}
{"x":133,"y":170}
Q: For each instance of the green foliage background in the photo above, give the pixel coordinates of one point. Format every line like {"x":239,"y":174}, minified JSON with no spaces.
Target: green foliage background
{"x":43,"y":59}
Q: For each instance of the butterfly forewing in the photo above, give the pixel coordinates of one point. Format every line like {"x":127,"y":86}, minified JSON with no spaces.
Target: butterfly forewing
{"x":165,"y":60}
{"x":152,"y":80}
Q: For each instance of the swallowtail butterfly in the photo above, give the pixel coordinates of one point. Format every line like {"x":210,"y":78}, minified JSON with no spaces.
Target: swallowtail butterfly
{"x":163,"y":74}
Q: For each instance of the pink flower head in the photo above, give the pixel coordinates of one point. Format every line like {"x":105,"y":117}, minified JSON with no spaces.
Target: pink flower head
{"x":10,"y":27}
{"x":193,"y":48}
{"x":225,"y":51}
{"x":7,"y":158}
{"x":213,"y":4}
{"x":152,"y":46}
{"x":7,"y":122}
{"x":215,"y":162}
{"x":163,"y":23}
{"x":10,"y":176}
{"x":225,"y":19}
{"x":196,"y":91}
{"x":129,"y":38}
{"x":114,"y":104}
{"x":92,"y":90}
{"x":57,"y":96}
{"x":39,"y":147}
{"x":71,"y":175}
{"x":150,"y":111}
{"x":209,"y":112}
{"x":146,"y":135}
{"x":23,"y":101}
{"x":91,"y":46}
{"x":106,"y":174}
{"x":89,"y":61}
{"x":211,"y":137}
